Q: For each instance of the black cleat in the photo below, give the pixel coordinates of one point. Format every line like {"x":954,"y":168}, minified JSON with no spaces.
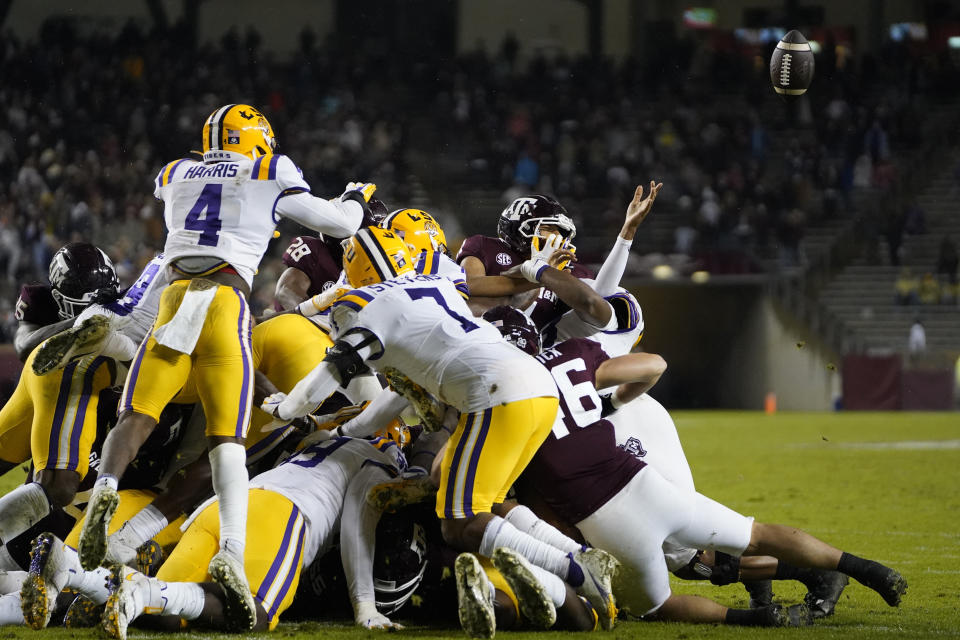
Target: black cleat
{"x":825,"y":588}
{"x":761,"y":592}
{"x":776,"y":615}
{"x":891,"y":586}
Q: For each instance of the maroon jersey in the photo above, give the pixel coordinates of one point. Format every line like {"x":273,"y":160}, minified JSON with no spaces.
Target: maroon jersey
{"x":579,"y":466}
{"x":36,"y":305}
{"x":311,"y":255}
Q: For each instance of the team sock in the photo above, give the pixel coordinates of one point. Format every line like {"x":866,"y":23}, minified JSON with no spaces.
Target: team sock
{"x":867,"y":572}
{"x":105,"y":480}
{"x":22,"y":508}
{"x":786,"y":571}
{"x":11,"y":581}
{"x":184,"y":599}
{"x":747,"y":617}
{"x":500,"y":533}
{"x":527,"y":521}
{"x":228,"y":466}
{"x":147,"y":523}
{"x":11,"y":612}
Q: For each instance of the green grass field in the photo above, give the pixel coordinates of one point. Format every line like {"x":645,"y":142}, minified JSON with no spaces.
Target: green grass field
{"x":882,"y":485}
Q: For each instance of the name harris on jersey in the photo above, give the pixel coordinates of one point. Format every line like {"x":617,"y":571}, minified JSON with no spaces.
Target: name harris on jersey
{"x":218,"y":170}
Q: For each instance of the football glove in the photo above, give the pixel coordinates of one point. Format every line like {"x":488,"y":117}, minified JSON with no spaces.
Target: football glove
{"x":541,"y":257}
{"x":366,"y":190}
{"x":367,"y":616}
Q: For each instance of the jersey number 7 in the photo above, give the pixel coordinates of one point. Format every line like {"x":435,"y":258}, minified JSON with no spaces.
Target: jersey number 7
{"x":436,"y":296}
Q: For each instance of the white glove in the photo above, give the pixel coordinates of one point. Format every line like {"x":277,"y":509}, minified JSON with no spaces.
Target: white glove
{"x":271,"y":404}
{"x":366,"y":189}
{"x":367,"y":616}
{"x":316,"y":304}
{"x":320,"y":435}
{"x":540,"y":258}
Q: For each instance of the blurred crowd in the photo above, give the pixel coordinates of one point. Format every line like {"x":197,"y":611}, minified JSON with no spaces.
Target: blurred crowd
{"x":87,"y":121}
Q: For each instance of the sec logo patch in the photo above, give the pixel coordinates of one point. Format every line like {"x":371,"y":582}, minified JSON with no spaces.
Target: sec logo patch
{"x":504,"y":259}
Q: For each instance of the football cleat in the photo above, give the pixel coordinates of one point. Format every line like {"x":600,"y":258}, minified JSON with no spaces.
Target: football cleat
{"x":535,"y":603}
{"x":126,"y":602}
{"x":888,"y":583}
{"x":474,"y":601}
{"x":427,"y":407}
{"x":761,"y":592}
{"x":825,"y":588}
{"x":776,"y":615}
{"x":599,"y":569}
{"x":241,"y":610}
{"x":92,"y":547}
{"x":58,"y":351}
{"x":149,"y":558}
{"x":38,"y":594}
{"x":398,"y":493}
{"x":82,"y":613}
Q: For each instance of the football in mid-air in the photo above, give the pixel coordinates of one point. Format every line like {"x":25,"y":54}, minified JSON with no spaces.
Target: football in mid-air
{"x":791,"y":66}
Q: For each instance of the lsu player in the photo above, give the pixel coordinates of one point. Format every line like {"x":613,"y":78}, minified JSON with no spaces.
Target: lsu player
{"x":220,"y":214}
{"x":418,"y":328}
{"x":53,"y":419}
{"x":296,"y":510}
{"x":621,"y":503}
{"x":428,"y":245}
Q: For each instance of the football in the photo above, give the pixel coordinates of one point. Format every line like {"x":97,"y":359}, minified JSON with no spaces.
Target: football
{"x":791,"y":66}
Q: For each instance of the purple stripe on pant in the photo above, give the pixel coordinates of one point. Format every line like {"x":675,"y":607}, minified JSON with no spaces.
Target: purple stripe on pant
{"x":63,"y":396}
{"x":474,"y":461}
{"x":243,"y":415}
{"x":281,"y":554}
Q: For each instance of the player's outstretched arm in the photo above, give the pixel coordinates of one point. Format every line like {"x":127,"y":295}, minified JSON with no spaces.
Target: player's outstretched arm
{"x":589,"y":304}
{"x":608,"y":279}
{"x":358,"y":533}
{"x":481,"y":285}
{"x":635,"y":373}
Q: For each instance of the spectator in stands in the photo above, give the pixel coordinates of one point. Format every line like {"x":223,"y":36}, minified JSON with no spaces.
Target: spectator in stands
{"x":917,"y":341}
{"x":915,"y":220}
{"x":906,"y":288}
{"x":929,"y":289}
{"x":947,"y":260}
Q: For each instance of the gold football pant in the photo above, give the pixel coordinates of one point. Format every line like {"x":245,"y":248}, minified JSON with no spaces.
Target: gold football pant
{"x":487,"y":453}
{"x":272,"y":558}
{"x":221,"y":364}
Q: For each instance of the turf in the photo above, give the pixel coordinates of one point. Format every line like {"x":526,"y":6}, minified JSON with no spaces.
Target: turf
{"x":881,"y":485}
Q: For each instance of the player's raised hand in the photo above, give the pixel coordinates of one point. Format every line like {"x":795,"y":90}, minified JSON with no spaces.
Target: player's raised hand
{"x":366,"y":189}
{"x":638,"y":208}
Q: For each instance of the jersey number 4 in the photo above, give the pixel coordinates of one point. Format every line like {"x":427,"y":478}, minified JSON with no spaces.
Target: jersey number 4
{"x":207,"y":206}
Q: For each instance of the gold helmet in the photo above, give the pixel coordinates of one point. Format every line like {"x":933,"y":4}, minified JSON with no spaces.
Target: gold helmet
{"x":373,"y":255}
{"x":239,"y":128}
{"x":418,"y":229}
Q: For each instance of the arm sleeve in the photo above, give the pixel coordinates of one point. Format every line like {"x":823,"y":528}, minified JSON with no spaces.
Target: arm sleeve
{"x":337,"y":219}
{"x":384,"y":408}
{"x":613,"y":267}
{"x":358,"y":533}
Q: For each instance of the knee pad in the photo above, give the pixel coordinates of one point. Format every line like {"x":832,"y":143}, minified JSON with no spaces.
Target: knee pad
{"x":695,"y":569}
{"x":726,"y":569}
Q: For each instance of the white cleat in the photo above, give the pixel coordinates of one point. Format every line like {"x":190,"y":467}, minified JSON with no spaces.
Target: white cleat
{"x":241,"y":610}
{"x":38,"y":594}
{"x":86,"y":339}
{"x":92,"y":547}
{"x":599,"y":569}
{"x":474,"y":602}
{"x":535,"y":603}
{"x":126,"y":603}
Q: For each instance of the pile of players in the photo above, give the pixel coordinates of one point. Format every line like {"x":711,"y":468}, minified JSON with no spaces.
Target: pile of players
{"x":400,"y":413}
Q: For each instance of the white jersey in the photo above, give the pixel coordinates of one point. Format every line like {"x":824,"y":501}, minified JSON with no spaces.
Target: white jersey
{"x":139,"y":305}
{"x":317,"y":478}
{"x":426,"y":331}
{"x":440,"y":264}
{"x":225,"y":211}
